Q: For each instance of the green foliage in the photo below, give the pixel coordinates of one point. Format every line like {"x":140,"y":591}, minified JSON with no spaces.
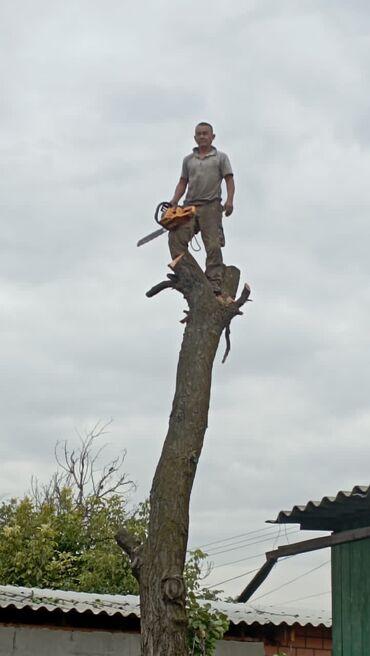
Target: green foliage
{"x":63,"y":545}
{"x":62,"y":535}
{"x":205,"y":628}
{"x":206,"y":625}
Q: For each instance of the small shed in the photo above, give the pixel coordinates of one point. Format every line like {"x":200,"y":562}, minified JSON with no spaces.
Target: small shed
{"x":347,"y":516}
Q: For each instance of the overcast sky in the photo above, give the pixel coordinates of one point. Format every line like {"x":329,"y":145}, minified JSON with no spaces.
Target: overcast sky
{"x":98,"y":105}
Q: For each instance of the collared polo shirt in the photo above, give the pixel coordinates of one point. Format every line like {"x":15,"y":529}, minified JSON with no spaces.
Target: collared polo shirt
{"x":204,"y":175}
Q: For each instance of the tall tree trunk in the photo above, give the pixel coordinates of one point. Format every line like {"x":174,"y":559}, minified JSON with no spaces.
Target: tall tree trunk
{"x":160,"y":560}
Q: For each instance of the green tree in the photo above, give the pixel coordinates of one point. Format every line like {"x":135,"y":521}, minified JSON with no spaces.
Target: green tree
{"x":62,"y":535}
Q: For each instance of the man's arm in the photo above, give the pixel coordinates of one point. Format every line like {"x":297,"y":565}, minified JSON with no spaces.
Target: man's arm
{"x":230,"y":189}
{"x":179,"y":191}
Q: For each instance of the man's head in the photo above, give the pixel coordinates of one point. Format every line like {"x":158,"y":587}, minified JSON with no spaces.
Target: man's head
{"x":204,"y":135}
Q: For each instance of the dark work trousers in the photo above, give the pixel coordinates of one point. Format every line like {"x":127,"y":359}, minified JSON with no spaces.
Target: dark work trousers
{"x":209,"y":223}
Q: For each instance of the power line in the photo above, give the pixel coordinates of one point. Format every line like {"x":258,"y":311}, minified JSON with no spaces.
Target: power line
{"x":207,"y":587}
{"x":291,"y":601}
{"x":292,"y":580}
{"x":286,"y":533}
{"x":275,"y":589}
{"x":233,"y":537}
{"x":242,"y":543}
{"x":262,"y":534}
{"x":240,"y":560}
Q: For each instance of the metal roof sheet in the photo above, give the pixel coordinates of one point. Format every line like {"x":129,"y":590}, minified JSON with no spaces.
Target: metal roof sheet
{"x":250,"y":614}
{"x":346,"y":509}
{"x":50,"y":600}
{"x":125,"y":605}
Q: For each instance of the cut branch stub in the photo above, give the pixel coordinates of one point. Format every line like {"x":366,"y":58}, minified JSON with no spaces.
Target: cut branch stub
{"x":166,"y":284}
{"x":230,"y":281}
{"x":173,"y":588}
{"x":189,"y":279}
{"x":132,"y":546}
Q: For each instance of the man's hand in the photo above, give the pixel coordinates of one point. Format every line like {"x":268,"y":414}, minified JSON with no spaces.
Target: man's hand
{"x":230,"y":190}
{"x":228,"y":208}
{"x":179,"y":192}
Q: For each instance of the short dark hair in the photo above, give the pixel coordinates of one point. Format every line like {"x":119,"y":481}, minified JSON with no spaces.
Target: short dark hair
{"x":204,"y":123}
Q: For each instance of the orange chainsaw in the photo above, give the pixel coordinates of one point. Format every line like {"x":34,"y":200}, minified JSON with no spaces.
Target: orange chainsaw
{"x":169,"y":217}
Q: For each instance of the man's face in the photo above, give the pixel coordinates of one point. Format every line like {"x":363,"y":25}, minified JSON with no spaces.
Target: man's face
{"x":204,"y":136}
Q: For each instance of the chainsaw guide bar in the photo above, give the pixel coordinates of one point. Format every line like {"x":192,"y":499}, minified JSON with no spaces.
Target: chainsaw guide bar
{"x":171,"y":217}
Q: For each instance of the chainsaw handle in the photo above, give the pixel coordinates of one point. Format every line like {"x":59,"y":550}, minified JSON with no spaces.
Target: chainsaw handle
{"x":161,"y":207}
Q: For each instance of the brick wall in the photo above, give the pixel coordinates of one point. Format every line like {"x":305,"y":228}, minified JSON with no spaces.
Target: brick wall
{"x":302,"y":641}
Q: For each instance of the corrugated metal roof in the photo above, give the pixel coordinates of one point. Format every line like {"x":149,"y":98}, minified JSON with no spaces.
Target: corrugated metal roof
{"x":249,"y":614}
{"x":50,"y":600}
{"x":125,"y":605}
{"x":345,"y":510}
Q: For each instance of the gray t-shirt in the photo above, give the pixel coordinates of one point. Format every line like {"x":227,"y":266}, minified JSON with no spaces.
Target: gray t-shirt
{"x":204,"y":175}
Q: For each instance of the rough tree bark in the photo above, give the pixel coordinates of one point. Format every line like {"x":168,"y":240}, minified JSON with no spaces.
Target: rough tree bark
{"x":159,"y":562}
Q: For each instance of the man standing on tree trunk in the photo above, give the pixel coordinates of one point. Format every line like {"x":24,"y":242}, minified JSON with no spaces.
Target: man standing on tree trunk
{"x":201,"y":176}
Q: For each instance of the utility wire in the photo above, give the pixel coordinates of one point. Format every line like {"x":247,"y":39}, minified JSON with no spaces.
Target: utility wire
{"x":292,"y":580}
{"x":253,"y":538}
{"x":207,"y":587}
{"x":291,"y":601}
{"x":214,"y":585}
{"x":239,"y":544}
{"x":242,"y":544}
{"x":240,"y":560}
{"x":233,"y":537}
